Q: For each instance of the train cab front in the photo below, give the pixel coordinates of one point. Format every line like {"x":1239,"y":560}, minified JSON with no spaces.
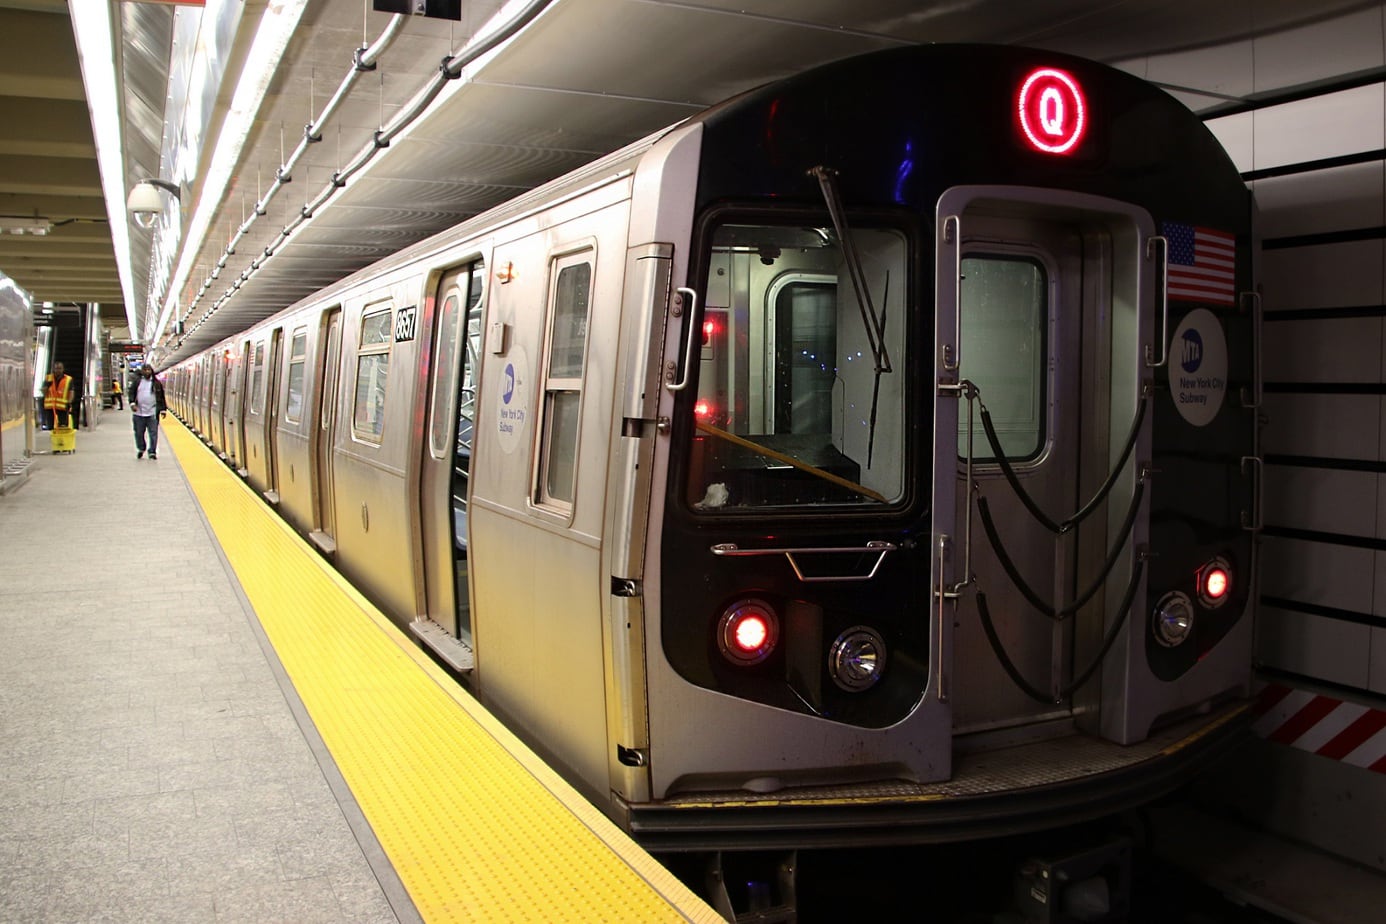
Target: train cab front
{"x":938,"y":549}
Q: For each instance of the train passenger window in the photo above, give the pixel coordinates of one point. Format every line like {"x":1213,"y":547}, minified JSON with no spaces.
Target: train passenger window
{"x":372,"y":373}
{"x":571,"y":298}
{"x":298,"y":352}
{"x":1005,"y":313}
{"x":257,"y":380}
{"x":800,"y":402}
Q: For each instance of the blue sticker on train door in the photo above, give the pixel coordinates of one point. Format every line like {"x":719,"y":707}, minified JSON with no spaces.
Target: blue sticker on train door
{"x":1198,"y":367}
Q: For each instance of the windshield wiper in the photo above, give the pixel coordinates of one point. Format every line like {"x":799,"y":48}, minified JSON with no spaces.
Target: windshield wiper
{"x":874,"y":324}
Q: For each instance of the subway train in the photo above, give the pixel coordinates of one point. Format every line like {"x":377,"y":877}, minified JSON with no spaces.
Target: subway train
{"x":869,"y":459}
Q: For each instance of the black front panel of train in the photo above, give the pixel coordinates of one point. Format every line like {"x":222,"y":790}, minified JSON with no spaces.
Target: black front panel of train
{"x":896,"y":130}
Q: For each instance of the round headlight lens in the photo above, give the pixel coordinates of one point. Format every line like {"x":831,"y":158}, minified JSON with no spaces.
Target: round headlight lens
{"x":857,"y":659}
{"x":1173,"y":619}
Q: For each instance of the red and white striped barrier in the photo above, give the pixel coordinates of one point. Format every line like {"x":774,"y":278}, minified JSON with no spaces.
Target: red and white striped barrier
{"x":1323,"y":725}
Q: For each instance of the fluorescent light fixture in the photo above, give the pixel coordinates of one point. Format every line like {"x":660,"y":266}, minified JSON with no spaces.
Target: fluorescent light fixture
{"x":26,"y":225}
{"x":91,"y":25}
{"x":277,"y":25}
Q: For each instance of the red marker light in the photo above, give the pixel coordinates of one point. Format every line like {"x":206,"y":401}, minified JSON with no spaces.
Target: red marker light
{"x":1215,"y":583}
{"x":709,"y":330}
{"x":702,"y":409}
{"x":1052,"y":111}
{"x":747,"y":632}
{"x":751,"y":633}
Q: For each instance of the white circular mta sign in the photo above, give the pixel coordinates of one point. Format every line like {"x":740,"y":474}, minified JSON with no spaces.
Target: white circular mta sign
{"x":1198,"y":367}
{"x":512,"y":412}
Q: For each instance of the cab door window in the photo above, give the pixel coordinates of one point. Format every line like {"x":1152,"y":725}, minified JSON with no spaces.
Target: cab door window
{"x":1005,"y":317}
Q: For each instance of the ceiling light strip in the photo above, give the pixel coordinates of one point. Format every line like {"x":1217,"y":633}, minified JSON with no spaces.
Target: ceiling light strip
{"x":91,"y":27}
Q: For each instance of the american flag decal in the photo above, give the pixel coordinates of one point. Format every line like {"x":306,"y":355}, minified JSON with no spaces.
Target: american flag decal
{"x":1202,"y":264}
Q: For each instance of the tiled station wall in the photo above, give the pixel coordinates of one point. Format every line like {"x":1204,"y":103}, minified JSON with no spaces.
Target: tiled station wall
{"x":1315,"y":165}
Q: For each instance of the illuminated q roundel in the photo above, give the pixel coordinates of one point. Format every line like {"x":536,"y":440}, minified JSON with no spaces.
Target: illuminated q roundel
{"x":1053,"y":113}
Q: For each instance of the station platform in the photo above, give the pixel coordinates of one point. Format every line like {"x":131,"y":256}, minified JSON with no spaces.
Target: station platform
{"x":200,"y":721}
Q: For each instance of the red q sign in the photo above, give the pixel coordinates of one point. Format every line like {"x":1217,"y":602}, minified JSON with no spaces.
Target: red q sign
{"x":1052,"y":111}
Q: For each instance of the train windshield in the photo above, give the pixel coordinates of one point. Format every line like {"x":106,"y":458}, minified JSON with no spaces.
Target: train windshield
{"x":794,"y":405}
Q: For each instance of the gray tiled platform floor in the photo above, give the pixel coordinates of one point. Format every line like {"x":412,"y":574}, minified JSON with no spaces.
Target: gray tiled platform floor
{"x":151,"y":768}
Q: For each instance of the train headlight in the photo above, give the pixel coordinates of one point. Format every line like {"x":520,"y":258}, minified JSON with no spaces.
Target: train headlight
{"x":1214,"y":582}
{"x":857,"y":659}
{"x":748,"y":632}
{"x":1173,"y":620}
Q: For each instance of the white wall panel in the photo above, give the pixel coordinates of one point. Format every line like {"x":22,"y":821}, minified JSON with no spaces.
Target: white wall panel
{"x":1337,"y":576}
{"x":1329,"y":649}
{"x":1331,"y":350}
{"x":1324,"y":500}
{"x":1236,"y":134}
{"x":1318,"y":201}
{"x":1376,"y":681}
{"x":1319,"y":51}
{"x":1322,"y":276}
{"x":1226,"y":69}
{"x":1346,"y":122}
{"x":1337,"y":426}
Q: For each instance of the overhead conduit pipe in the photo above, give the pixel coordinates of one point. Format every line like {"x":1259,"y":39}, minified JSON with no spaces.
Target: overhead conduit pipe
{"x":364,"y":60}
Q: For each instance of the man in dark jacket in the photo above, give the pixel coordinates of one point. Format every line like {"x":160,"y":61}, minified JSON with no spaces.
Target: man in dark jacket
{"x":147,"y":407}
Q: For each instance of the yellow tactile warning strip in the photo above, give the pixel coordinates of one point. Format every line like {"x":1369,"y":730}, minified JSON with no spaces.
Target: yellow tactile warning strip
{"x":476,"y":826}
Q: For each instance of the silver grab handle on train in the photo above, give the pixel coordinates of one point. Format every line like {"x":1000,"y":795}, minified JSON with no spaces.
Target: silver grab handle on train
{"x":732,"y":550}
{"x":952,"y":232}
{"x":941,"y":660}
{"x":1253,"y":522}
{"x":692,"y":335}
{"x":1257,"y":373}
{"x":1164,"y":299}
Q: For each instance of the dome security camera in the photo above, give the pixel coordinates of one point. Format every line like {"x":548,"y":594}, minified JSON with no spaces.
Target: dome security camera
{"x":145,"y":201}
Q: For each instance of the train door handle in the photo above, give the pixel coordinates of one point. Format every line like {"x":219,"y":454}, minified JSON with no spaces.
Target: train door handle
{"x":688,"y":347}
{"x":1164,"y":300}
{"x":1252,"y":522}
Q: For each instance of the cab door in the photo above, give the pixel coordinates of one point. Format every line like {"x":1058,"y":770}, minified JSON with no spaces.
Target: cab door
{"x":1038,"y":291}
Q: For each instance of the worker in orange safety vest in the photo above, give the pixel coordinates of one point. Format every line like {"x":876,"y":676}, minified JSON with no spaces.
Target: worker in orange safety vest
{"x":57,"y":398}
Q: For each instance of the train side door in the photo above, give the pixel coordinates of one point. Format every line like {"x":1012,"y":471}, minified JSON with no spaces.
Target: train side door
{"x":1041,"y":314}
{"x":273,"y":378}
{"x":446,"y":464}
{"x":237,"y":407}
{"x":220,"y":366}
{"x":324,"y":536}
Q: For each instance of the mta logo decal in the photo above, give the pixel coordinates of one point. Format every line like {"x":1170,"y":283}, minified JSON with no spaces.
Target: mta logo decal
{"x":509,"y":383}
{"x":1191,"y":356}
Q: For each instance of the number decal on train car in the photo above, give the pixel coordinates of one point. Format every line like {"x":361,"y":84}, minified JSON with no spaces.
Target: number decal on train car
{"x":404,"y":324}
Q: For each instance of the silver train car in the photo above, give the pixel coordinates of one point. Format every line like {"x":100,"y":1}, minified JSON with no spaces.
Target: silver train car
{"x":871,"y":458}
{"x":17,"y":405}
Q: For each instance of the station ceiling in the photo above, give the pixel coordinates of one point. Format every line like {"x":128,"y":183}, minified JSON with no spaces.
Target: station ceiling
{"x":578,"y":79}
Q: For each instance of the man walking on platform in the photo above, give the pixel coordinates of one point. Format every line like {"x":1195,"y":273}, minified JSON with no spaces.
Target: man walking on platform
{"x":57,"y":398}
{"x":147,"y":406}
